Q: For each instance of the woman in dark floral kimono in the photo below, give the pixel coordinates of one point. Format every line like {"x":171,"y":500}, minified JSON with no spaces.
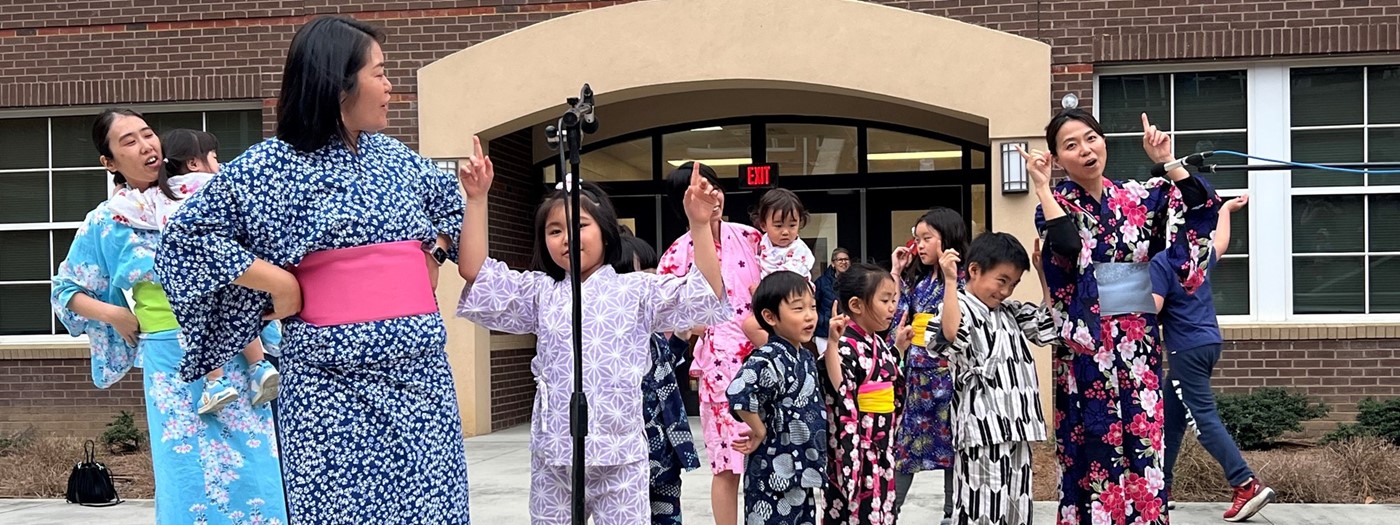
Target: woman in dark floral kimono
{"x":1100,"y":235}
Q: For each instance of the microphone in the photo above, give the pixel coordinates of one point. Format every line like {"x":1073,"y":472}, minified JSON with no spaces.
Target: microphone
{"x":590,"y":120}
{"x":1194,"y":159}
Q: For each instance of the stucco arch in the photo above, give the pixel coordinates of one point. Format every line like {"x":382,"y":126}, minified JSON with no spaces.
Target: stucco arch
{"x":725,"y":57}
{"x":656,"y":47}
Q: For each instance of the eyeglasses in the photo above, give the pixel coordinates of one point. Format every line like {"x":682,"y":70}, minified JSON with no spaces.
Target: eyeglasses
{"x":841,"y":260}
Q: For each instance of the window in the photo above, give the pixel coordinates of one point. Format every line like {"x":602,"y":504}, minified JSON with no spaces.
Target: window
{"x":1346,"y":245}
{"x":723,"y":148}
{"x":1202,"y":111}
{"x":627,"y":161}
{"x":50,"y":179}
{"x":892,"y":151}
{"x":812,"y":149}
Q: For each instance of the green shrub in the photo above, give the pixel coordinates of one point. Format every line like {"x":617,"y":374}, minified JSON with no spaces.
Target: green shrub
{"x":1256,"y":419}
{"x":122,"y":436}
{"x":1374,"y":418}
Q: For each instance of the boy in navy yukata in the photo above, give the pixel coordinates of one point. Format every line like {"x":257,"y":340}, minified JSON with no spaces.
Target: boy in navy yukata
{"x":776,"y":392}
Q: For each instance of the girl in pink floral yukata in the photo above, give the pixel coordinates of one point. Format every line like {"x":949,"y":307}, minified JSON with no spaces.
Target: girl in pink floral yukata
{"x":621,"y":314}
{"x":722,"y":346}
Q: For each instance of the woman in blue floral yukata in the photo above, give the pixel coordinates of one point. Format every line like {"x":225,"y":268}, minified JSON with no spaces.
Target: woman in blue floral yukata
{"x":214,"y":469}
{"x":1100,"y":235}
{"x":338,"y":230}
{"x":924,"y":440}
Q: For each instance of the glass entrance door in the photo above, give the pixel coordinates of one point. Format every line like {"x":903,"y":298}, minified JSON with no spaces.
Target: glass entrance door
{"x":892,"y":213}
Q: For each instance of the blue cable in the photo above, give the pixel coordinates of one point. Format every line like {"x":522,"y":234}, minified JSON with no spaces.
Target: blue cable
{"x":1306,"y":165}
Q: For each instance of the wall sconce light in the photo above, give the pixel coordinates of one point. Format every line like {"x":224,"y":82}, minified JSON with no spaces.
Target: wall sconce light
{"x":1013,"y":168}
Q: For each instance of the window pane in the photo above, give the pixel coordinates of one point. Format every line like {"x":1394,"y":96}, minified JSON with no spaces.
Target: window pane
{"x":1126,"y":160}
{"x":75,"y":193}
{"x":1229,"y":284}
{"x":1328,"y":285}
{"x":1239,"y":232}
{"x":24,"y":309}
{"x":1384,"y":92}
{"x":979,"y":159}
{"x":1123,"y":98}
{"x":1327,"y":224}
{"x":24,"y":197}
{"x":979,"y":211}
{"x":62,"y":240}
{"x":72,"y":142}
{"x":1385,"y":223}
{"x":236,"y":131}
{"x":629,"y":160}
{"x":1385,"y":284}
{"x":1385,"y":147}
{"x":1214,"y":100}
{"x":24,"y":255}
{"x":1188,"y":143}
{"x":1326,"y":146}
{"x":721,"y":147}
{"x":163,"y":122}
{"x":812,"y":149}
{"x":26,"y":143}
{"x":1326,"y":96}
{"x":893,"y":151}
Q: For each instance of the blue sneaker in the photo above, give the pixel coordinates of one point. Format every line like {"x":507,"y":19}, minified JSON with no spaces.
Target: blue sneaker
{"x":264,"y":382}
{"x":217,"y":394}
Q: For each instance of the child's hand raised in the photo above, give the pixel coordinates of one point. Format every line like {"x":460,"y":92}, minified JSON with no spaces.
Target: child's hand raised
{"x":476,"y":176}
{"x":838,"y":325}
{"x":904,"y":333}
{"x":701,"y":199}
{"x":949,"y":263}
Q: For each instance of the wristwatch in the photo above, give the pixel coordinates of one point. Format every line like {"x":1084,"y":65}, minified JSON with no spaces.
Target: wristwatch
{"x":432,"y":248}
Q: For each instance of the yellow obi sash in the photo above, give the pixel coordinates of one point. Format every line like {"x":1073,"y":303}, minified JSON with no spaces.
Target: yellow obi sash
{"x":920,"y":326}
{"x":876,"y":397}
{"x":152,"y":308}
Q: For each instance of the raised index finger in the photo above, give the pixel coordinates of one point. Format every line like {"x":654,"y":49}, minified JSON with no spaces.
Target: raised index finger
{"x":1146,"y":124}
{"x":1023,"y":153}
{"x":476,"y":146}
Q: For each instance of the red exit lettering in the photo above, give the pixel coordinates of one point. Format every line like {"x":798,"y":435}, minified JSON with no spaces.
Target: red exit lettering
{"x":758,"y":175}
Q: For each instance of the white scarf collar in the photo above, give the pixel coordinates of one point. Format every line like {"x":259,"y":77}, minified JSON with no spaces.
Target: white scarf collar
{"x":149,"y":209}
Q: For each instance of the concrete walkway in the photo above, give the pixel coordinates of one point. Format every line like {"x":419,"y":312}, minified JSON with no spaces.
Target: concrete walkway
{"x":499,"y":470}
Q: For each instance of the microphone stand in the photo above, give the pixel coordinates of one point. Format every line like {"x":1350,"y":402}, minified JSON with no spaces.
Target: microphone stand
{"x":570,"y":129}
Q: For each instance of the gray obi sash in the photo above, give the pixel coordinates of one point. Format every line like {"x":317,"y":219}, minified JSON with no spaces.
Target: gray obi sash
{"x":1124,"y":288}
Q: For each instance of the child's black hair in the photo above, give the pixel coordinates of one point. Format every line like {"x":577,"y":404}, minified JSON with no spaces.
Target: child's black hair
{"x":679,"y":179}
{"x":784,"y":202}
{"x":595,"y":204}
{"x":183,"y":145}
{"x":771,"y":293}
{"x":993,"y":248}
{"x":863,"y":281}
{"x":636,"y":256}
{"x":951,"y":229}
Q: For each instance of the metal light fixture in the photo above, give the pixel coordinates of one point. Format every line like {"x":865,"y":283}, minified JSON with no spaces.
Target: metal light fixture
{"x":1070,"y":101}
{"x":1013,"y":169}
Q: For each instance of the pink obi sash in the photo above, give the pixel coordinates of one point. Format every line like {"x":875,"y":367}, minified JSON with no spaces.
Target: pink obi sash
{"x":365,"y":284}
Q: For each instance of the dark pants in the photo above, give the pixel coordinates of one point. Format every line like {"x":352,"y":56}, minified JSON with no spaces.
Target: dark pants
{"x":1190,"y":373}
{"x":902,"y":482}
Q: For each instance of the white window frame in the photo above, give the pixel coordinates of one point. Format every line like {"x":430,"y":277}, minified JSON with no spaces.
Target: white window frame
{"x":61,"y":336}
{"x":1271,"y":192}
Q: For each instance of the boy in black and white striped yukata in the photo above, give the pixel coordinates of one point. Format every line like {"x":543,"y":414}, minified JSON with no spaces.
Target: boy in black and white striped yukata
{"x":996,"y":398}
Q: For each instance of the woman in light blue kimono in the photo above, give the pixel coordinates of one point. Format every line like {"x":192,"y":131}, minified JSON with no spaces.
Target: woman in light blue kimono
{"x":338,"y":230}
{"x":216,"y":469}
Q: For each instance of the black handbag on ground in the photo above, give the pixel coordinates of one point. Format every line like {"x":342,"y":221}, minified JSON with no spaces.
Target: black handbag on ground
{"x":90,"y":484}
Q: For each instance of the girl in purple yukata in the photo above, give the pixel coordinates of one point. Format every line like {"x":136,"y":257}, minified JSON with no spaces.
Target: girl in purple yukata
{"x":621,"y":314}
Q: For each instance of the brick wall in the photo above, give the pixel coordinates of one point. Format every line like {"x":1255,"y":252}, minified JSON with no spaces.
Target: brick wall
{"x":56,"y":396}
{"x":512,"y":387}
{"x":1336,"y":372}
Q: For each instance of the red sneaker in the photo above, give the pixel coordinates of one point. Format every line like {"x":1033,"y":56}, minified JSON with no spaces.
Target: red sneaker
{"x":1250,"y":498}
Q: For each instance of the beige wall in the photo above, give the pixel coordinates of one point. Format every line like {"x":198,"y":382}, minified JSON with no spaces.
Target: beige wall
{"x":804,"y":57}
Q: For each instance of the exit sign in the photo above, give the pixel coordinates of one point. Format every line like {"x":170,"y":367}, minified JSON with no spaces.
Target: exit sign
{"x":758,"y":176}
